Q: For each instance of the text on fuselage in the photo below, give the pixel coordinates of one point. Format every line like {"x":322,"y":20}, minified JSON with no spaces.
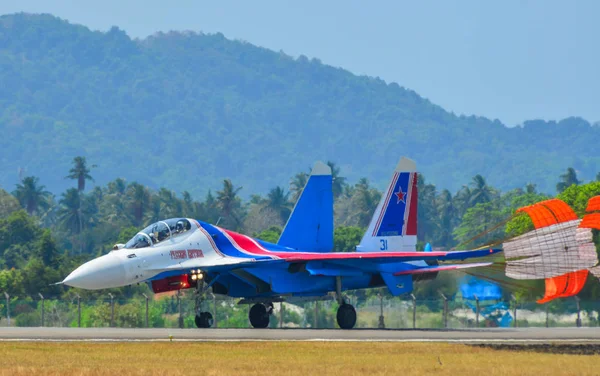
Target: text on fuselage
{"x":185,"y":254}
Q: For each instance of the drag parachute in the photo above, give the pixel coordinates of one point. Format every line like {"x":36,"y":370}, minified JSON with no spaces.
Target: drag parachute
{"x":550,"y":251}
{"x":559,"y":250}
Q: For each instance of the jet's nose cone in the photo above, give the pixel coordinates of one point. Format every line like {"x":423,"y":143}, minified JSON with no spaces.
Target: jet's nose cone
{"x":103,"y":272}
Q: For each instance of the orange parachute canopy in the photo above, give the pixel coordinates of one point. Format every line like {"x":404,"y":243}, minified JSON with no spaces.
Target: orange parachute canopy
{"x":593,"y":204}
{"x":539,"y":214}
{"x":554,"y":287}
{"x":549,"y":212}
{"x":591,"y":221}
{"x":561,"y":210}
{"x":565,"y":285}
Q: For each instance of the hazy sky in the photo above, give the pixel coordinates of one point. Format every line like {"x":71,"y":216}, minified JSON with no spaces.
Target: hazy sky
{"x":510,"y":60}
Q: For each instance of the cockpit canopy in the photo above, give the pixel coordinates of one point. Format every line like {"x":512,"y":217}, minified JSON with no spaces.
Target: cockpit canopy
{"x":159,"y":232}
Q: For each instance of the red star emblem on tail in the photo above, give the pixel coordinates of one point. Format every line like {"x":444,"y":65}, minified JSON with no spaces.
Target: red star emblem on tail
{"x":400,"y":195}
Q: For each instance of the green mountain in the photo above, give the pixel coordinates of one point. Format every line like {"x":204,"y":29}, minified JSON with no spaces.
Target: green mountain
{"x":185,"y":110}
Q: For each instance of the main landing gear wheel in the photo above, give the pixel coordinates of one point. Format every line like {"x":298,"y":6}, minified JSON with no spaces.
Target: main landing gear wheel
{"x":204,"y":320}
{"x":259,"y":316}
{"x":346,"y":316}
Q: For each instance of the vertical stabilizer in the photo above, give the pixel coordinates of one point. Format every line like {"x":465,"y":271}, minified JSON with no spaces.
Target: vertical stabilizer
{"x":394,"y":223}
{"x":310,"y":226}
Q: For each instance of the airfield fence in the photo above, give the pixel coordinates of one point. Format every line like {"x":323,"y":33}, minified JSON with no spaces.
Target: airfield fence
{"x":374,"y":311}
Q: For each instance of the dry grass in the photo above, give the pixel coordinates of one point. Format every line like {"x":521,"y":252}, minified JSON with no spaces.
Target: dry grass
{"x":281,"y":358}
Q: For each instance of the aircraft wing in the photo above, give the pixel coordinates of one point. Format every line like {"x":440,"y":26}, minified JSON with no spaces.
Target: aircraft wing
{"x":389,"y":256}
{"x":359,"y":260}
{"x":272,"y":274}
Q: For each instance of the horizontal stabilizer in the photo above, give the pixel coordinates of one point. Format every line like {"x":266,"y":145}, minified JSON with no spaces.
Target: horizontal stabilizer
{"x":439,"y":268}
{"x":397,"y":284}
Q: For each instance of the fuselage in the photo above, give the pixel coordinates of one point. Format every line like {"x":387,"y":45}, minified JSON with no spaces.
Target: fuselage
{"x":209,"y":249}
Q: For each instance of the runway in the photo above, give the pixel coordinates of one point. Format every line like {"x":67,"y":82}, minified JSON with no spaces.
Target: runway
{"x":516,"y":335}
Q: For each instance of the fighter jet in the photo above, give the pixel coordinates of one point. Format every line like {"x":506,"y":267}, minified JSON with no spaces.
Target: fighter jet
{"x":184,"y":253}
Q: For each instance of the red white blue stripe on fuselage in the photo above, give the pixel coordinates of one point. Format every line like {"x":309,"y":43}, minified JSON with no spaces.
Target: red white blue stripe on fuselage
{"x":232,"y":244}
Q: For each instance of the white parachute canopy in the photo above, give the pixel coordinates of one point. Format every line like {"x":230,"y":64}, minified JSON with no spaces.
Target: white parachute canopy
{"x":550,"y":251}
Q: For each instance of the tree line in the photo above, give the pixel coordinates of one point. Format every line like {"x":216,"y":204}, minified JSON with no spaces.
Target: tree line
{"x":43,"y":236}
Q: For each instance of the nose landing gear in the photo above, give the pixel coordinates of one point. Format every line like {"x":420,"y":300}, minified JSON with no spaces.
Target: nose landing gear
{"x":204,"y":320}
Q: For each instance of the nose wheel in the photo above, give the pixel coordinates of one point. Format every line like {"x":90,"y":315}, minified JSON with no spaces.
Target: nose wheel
{"x":204,"y":320}
{"x":260,"y":314}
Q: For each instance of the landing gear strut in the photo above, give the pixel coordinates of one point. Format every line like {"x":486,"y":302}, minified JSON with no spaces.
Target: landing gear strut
{"x":202,"y":319}
{"x":259,"y":315}
{"x":346,"y":314}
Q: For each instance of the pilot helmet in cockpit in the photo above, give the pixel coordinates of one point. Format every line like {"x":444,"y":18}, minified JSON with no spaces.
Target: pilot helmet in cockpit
{"x":179,"y":227}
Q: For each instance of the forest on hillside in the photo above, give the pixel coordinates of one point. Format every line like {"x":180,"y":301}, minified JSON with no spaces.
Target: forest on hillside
{"x":185,"y":110}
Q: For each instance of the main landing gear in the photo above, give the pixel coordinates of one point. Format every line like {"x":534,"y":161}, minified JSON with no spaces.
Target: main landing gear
{"x":259,"y":315}
{"x":346,"y":314}
{"x":203,"y":319}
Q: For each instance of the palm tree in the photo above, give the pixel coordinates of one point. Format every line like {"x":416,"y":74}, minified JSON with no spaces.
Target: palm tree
{"x":76,"y":211}
{"x":297,"y":184}
{"x":195,"y":209}
{"x":227,"y":200}
{"x":338,"y":182}
{"x":114,"y":205}
{"x":115,"y":210}
{"x":152,"y":213}
{"x":530,"y":188}
{"x":567,"y":179}
{"x":69,"y":215}
{"x":462,"y":200}
{"x":170,"y":205}
{"x":446,"y":218}
{"x":365,"y":200}
{"x":426,"y":209}
{"x":210,"y":208}
{"x":80,"y":172}
{"x":8,"y":204}
{"x":31,"y":195}
{"x":187,"y":204}
{"x":117,"y":187}
{"x":278,"y":200}
{"x":481,"y":192}
{"x":138,"y":199}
